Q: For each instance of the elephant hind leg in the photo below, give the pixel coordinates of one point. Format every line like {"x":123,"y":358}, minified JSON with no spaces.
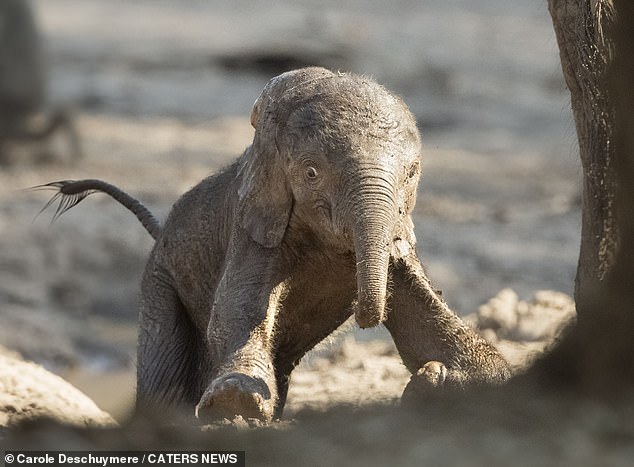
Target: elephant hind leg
{"x":169,"y":354}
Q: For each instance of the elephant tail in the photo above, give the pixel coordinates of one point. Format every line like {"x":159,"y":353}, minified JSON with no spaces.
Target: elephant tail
{"x":72,"y":192}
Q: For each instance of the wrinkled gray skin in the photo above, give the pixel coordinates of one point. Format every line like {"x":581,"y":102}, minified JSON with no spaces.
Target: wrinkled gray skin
{"x":22,"y":83}
{"x":257,"y":264}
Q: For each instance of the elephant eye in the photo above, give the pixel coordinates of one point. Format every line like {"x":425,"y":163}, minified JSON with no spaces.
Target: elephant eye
{"x":311,"y":173}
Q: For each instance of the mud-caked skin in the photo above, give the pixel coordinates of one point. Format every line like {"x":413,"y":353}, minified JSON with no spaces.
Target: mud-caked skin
{"x":259,"y":263}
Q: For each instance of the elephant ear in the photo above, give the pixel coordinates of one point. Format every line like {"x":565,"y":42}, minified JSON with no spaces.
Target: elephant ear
{"x":264,"y":196}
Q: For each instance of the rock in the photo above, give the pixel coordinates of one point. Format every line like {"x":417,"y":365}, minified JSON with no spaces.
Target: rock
{"x":499,"y":313}
{"x":28,"y":391}
{"x":524,"y":330}
{"x":541,"y":319}
{"x":544,"y":318}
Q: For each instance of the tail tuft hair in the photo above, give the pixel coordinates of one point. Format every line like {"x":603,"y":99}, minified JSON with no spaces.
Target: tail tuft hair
{"x":66,"y":200}
{"x":72,"y":192}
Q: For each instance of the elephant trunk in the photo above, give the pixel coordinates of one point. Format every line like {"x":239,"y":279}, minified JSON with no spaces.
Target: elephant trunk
{"x":375,"y":216}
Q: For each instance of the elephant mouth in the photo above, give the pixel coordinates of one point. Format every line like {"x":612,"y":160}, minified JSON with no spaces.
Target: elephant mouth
{"x":324,"y":209}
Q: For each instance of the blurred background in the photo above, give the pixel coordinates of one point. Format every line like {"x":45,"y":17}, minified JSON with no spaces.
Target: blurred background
{"x":159,"y":93}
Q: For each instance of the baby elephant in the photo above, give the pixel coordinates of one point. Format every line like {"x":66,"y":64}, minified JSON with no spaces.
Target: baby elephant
{"x":257,"y":264}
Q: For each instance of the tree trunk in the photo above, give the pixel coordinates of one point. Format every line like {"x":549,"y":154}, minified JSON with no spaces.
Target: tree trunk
{"x":581,"y":27}
{"x":596,"y":56}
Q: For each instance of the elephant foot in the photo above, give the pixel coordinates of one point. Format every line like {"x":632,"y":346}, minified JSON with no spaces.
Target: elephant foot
{"x":427,"y":379}
{"x":236,"y":394}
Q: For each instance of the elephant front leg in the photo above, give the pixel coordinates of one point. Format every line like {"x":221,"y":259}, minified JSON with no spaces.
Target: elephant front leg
{"x":434,"y":343}
{"x":239,"y":337}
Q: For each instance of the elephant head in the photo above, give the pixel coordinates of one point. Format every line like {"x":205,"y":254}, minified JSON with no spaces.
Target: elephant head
{"x":339,"y":154}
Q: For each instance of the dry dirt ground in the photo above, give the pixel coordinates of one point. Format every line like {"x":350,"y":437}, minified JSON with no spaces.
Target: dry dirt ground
{"x":162,"y":100}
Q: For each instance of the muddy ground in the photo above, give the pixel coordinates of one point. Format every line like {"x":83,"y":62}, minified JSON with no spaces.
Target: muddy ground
{"x":162,"y":92}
